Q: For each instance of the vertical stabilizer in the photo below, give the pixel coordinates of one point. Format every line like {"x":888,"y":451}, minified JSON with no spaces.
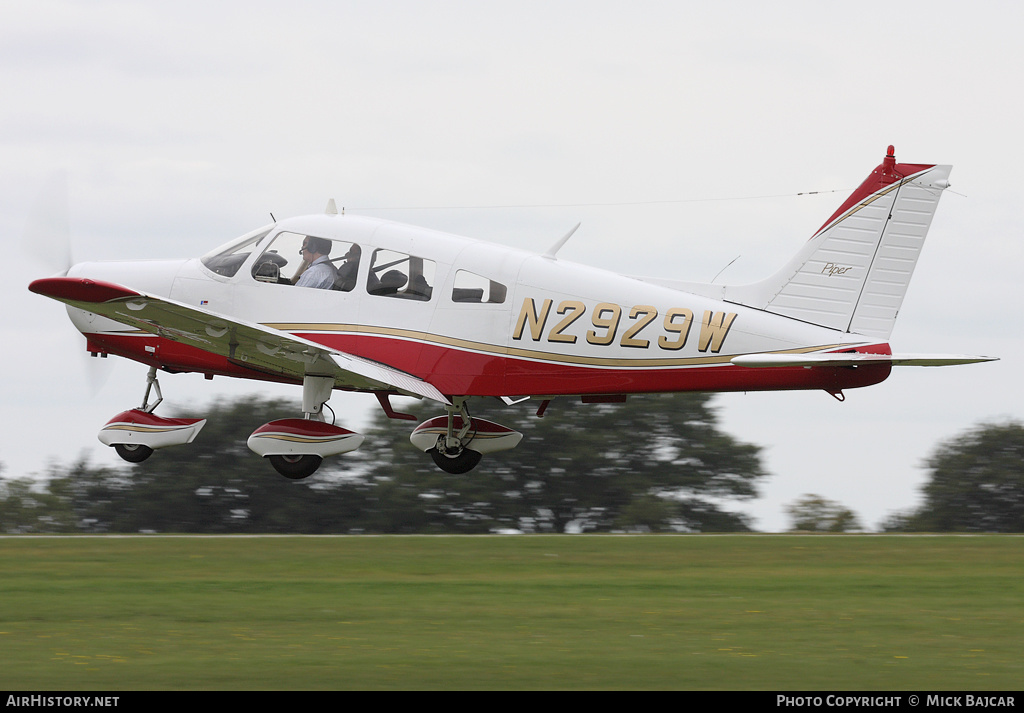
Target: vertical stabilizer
{"x":853,"y":274}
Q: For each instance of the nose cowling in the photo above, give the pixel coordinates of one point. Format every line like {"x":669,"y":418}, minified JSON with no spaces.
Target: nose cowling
{"x":153,"y":276}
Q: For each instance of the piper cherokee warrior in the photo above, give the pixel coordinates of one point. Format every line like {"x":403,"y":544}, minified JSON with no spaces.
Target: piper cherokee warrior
{"x":336,"y":301}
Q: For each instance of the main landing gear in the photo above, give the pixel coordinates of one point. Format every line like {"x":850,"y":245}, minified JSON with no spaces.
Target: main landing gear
{"x":297,"y":446}
{"x":456,"y":442}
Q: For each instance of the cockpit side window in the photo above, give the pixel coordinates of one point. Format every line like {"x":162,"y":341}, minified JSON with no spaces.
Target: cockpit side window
{"x":226,"y":261}
{"x":394,"y":274}
{"x":284,"y":262}
{"x":470,"y":287}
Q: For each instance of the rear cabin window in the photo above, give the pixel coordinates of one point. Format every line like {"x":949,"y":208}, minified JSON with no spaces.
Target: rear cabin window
{"x":394,"y":274}
{"x":470,"y":287}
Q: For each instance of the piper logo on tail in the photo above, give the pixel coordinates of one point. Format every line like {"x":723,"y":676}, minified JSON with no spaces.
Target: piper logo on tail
{"x":831,"y":269}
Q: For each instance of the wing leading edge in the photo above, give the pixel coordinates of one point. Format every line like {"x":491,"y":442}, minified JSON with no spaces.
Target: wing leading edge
{"x":254,"y":345}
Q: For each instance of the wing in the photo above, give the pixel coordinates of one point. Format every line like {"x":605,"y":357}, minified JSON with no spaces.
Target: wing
{"x":855,"y":359}
{"x":262,"y":348}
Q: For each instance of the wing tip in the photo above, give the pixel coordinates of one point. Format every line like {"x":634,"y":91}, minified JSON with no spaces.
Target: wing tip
{"x":80,"y":289}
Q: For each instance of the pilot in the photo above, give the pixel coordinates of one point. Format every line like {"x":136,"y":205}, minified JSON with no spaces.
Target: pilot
{"x":319,"y":273}
{"x":346,"y":279}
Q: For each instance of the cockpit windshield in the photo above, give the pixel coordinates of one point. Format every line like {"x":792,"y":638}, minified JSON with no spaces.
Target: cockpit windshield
{"x":226,"y":259}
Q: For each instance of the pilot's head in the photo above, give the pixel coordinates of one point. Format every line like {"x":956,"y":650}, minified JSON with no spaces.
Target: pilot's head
{"x":315,"y":247}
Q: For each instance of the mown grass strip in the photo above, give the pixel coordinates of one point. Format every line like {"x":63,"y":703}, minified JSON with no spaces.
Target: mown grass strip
{"x":558,"y":612}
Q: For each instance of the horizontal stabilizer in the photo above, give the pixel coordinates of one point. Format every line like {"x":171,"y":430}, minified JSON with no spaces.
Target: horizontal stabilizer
{"x":855,"y":359}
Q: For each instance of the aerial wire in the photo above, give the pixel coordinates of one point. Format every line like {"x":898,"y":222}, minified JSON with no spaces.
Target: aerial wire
{"x":604,"y":205}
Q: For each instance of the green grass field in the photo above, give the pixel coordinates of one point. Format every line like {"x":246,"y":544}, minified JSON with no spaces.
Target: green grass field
{"x":558,"y":612}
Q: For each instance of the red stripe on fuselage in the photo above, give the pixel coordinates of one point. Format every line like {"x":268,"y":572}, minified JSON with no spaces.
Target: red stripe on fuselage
{"x":459,"y":372}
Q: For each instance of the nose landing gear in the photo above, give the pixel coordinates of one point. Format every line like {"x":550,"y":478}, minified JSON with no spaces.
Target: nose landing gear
{"x":136,"y":433}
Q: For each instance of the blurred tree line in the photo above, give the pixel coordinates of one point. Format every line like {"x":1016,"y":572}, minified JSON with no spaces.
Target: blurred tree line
{"x":655,"y":463}
{"x":813,"y":513}
{"x":976,"y":484}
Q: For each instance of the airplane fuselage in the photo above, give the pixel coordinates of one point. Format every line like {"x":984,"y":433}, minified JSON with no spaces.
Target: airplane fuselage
{"x":494,"y":321}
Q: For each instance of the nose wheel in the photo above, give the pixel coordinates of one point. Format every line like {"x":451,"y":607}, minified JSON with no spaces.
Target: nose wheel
{"x":133,"y":452}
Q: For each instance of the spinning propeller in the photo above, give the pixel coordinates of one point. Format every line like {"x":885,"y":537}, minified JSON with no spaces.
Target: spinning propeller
{"x":47,"y":241}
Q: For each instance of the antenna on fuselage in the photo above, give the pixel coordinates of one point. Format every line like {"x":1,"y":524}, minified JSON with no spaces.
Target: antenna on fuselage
{"x":550,"y":254}
{"x":332,"y":208}
{"x":725,"y":268}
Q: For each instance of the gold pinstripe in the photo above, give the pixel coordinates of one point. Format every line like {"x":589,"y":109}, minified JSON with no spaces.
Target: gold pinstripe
{"x":531,"y":354}
{"x":301,"y":439}
{"x":525,"y":353}
{"x":142,"y":428}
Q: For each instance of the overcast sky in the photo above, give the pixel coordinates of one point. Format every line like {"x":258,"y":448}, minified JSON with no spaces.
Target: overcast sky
{"x":679,"y":133}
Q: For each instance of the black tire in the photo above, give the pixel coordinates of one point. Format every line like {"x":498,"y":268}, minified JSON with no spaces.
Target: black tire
{"x":133,"y":452}
{"x":464,"y":462}
{"x":295,"y":467}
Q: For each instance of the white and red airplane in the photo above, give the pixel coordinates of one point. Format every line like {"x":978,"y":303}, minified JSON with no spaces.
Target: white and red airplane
{"x":399,"y":310}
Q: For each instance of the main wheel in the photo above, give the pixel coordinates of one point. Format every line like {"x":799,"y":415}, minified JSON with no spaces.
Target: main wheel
{"x":295,"y":467}
{"x":464,"y":462}
{"x":133,"y":452}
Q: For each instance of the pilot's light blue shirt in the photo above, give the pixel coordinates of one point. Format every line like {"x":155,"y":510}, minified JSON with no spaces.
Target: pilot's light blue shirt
{"x":319,"y":275}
